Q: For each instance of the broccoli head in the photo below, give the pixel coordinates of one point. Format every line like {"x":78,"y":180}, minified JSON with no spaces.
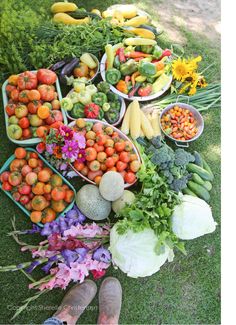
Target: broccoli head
{"x":179,"y":184}
{"x":182,"y":157}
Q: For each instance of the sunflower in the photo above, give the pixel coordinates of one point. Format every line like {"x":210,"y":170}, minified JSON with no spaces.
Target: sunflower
{"x":193,"y":63}
{"x":202,"y":82}
{"x":179,"y":69}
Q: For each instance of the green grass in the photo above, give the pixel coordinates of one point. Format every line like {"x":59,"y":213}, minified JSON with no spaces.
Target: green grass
{"x":186,"y":291}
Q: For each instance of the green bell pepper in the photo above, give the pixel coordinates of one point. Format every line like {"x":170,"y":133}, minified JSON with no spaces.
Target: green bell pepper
{"x":99,"y":99}
{"x":147,"y":48}
{"x":116,"y":63}
{"x":147,"y":69}
{"x":115,"y":106}
{"x":112,"y":96}
{"x":129,"y":67}
{"x":113,"y":76}
{"x":103,"y":87}
{"x":157,"y":52}
{"x":66,"y":104}
{"x":77,"y":110}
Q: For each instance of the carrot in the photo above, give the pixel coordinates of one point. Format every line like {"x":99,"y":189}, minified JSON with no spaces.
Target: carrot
{"x":137,"y":54}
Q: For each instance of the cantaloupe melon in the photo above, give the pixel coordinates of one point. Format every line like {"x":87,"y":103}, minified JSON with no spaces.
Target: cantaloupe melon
{"x":111,"y":186}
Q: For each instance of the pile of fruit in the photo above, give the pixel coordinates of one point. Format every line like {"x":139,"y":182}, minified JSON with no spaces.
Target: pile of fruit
{"x":36,"y":187}
{"x":33,"y":102}
{"x":106,"y":151}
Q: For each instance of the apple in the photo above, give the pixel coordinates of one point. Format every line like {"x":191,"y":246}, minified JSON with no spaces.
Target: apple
{"x":14,"y":131}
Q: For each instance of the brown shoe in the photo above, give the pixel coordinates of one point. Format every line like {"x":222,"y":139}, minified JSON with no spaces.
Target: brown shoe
{"x":75,"y":302}
{"x":110,"y":298}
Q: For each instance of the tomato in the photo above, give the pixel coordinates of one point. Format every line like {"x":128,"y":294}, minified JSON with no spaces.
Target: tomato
{"x":21,"y":111}
{"x":98,"y":148}
{"x":120,"y":165}
{"x":38,"y":189}
{"x":97,"y":127}
{"x":10,"y":109}
{"x":78,"y":165}
{"x":97,"y":179}
{"x":49,"y":170}
{"x":124,"y":156}
{"x":94,"y":165}
{"x":23,"y":96}
{"x":15,"y":178}
{"x":46,"y":92}
{"x":27,"y":80}
{"x":133,"y":156}
{"x":123,"y":173}
{"x":110,"y":151}
{"x":34,"y":155}
{"x":24,"y":123}
{"x":33,"y":106}
{"x":55,"y":180}
{"x":109,"y":130}
{"x":90,"y":154}
{"x":101,"y":156}
{"x":101,"y":139}
{"x":4,"y":176}
{"x":43,"y":112}
{"x":9,"y":89}
{"x":33,"y":162}
{"x":36,"y":216}
{"x":47,"y":196}
{"x":81,"y":71}
{"x":16,"y":196}
{"x":58,"y":206}
{"x":47,"y":188}
{"x":35,"y":120}
{"x":134,"y":166}
{"x":13,"y":79}
{"x":109,"y":143}
{"x":34,"y":94}
{"x":26,"y":133}
{"x":26,"y":170}
{"x":17,"y":164}
{"x":130,"y":177}
{"x":90,"y":135}
{"x":48,"y":215}
{"x":115,"y":137}
{"x":103,"y":167}
{"x":41,"y":131}
{"x":55,"y":116}
{"x":46,"y":76}
{"x":110,"y":162}
{"x":84,"y":171}
{"x":128,"y":146}
{"x":58,"y":193}
{"x":39,"y":203}
{"x":24,"y":199}
{"x":28,"y":206}
{"x":15,"y":94}
{"x":119,"y":146}
{"x":69,"y":196}
{"x":92,"y":175}
{"x":20,"y":153}
{"x":56,"y":104}
{"x":24,"y":189}
{"x":115,"y":157}
{"x":89,"y":143}
{"x":44,"y":176}
{"x":31,"y":178}
{"x":6,"y":186}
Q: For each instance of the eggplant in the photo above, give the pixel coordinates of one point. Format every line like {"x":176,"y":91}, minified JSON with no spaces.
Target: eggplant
{"x":58,"y":65}
{"x":67,"y":69}
{"x":153,"y":29}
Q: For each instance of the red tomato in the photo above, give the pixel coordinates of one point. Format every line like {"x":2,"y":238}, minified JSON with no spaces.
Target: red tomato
{"x":34,"y":155}
{"x":33,"y":106}
{"x":101,"y":157}
{"x":58,"y":193}
{"x":24,"y":199}
{"x":9,"y":89}
{"x":112,"y":169}
{"x":69,"y":196}
{"x":20,"y":153}
{"x":23,"y":96}
{"x":101,"y":139}
{"x":55,"y":116}
{"x":78,"y":165}
{"x":46,"y":92}
{"x":109,"y":143}
{"x":17,"y":164}
{"x":34,"y":95}
{"x":6,"y":186}
{"x":120,"y":146}
{"x":24,"y":123}
{"x":46,"y":76}
{"x":124,"y":156}
{"x":4,"y":176}
{"x":94,"y":165}
{"x":15,"y":178}
{"x":48,"y":215}
{"x":130,"y":177}
{"x":115,"y":157}
{"x":27,"y":133}
{"x":26,"y":170}
{"x":110,"y":151}
{"x":120,"y":165}
{"x":98,"y":148}
{"x":27,"y":80}
{"x":90,"y":153}
{"x":10,"y":109}
{"x":16,"y":196}
{"x":89,"y":143}
{"x":31,"y":178}
{"x":15,"y":94}
{"x":110,"y":162}
{"x":24,"y":189}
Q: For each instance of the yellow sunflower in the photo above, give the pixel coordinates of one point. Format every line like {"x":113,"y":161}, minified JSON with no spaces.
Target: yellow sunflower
{"x":193,"y":63}
{"x":202,"y":82}
{"x":179,"y":69}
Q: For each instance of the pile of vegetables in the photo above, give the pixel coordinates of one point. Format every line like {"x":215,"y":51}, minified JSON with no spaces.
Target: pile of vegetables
{"x":90,"y":101}
{"x":137,"y":67}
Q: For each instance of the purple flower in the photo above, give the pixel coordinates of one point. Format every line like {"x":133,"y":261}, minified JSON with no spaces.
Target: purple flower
{"x":32,"y":266}
{"x":81,"y":217}
{"x":35,"y":229}
{"x":80,"y":139}
{"x":66,"y":132}
{"x":81,"y":156}
{"x":102,"y":255}
{"x":69,"y":256}
{"x":72,"y":214}
{"x":50,"y":147}
{"x":63,"y":166}
{"x":81,"y":254}
{"x":70,"y":150}
{"x":46,"y":268}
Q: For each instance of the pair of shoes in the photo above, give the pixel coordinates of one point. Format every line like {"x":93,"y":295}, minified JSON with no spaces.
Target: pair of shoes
{"x":80,"y":296}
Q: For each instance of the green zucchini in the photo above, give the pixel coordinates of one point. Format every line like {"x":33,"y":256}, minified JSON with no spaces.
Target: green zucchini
{"x":207,"y":185}
{"x":80,"y":14}
{"x":188,"y":191}
{"x":198,"y":159}
{"x":199,"y":190}
{"x":204,"y":174}
{"x":197,"y":179}
{"x":207,"y":167}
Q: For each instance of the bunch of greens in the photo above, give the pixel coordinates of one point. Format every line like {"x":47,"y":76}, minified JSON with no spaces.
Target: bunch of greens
{"x":153,"y":206}
{"x":171,"y":164}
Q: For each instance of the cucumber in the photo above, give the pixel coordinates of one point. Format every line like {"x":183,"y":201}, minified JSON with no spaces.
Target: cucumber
{"x":199,"y":190}
{"x":188,"y":191}
{"x":207,"y":168}
{"x":207,"y":185}
{"x":204,"y":174}
{"x":198,"y":159}
{"x":197,"y":179}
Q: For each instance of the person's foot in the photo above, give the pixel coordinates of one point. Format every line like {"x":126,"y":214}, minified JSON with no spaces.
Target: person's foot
{"x":110,"y":298}
{"x":75,"y":302}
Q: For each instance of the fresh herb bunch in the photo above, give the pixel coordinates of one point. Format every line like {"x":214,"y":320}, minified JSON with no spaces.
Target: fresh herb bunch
{"x":171,"y":164}
{"x":153,"y":206}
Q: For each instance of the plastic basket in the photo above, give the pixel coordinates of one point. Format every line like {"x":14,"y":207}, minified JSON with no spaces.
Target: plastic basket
{"x":27,"y":212}
{"x":33,"y":141}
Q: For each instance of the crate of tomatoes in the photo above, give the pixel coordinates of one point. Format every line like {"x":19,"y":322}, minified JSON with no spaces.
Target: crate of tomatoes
{"x":31,"y":99}
{"x":35,"y":186}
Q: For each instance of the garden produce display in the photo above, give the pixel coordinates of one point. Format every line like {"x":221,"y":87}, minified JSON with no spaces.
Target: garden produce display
{"x":32,"y":102}
{"x":36,"y":187}
{"x":95,"y":102}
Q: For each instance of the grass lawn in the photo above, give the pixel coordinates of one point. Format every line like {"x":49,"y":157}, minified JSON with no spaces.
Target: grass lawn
{"x":186,"y":291}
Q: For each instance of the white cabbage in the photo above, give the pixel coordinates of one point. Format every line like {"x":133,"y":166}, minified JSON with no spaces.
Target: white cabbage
{"x":134,"y":252}
{"x":192,"y":218}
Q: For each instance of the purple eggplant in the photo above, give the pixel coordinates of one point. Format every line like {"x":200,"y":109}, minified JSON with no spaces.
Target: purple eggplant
{"x":58,"y":65}
{"x":67,"y":69}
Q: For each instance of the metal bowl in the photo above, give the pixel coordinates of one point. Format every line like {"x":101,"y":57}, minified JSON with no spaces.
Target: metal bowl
{"x":198,"y":117}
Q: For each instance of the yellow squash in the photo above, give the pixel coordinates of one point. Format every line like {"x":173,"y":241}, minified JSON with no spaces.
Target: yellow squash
{"x":137,"y":21}
{"x":128,"y":11}
{"x":142,"y":32}
{"x":135,"y":41}
{"x":68,"y":20}
{"x":63,"y":7}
